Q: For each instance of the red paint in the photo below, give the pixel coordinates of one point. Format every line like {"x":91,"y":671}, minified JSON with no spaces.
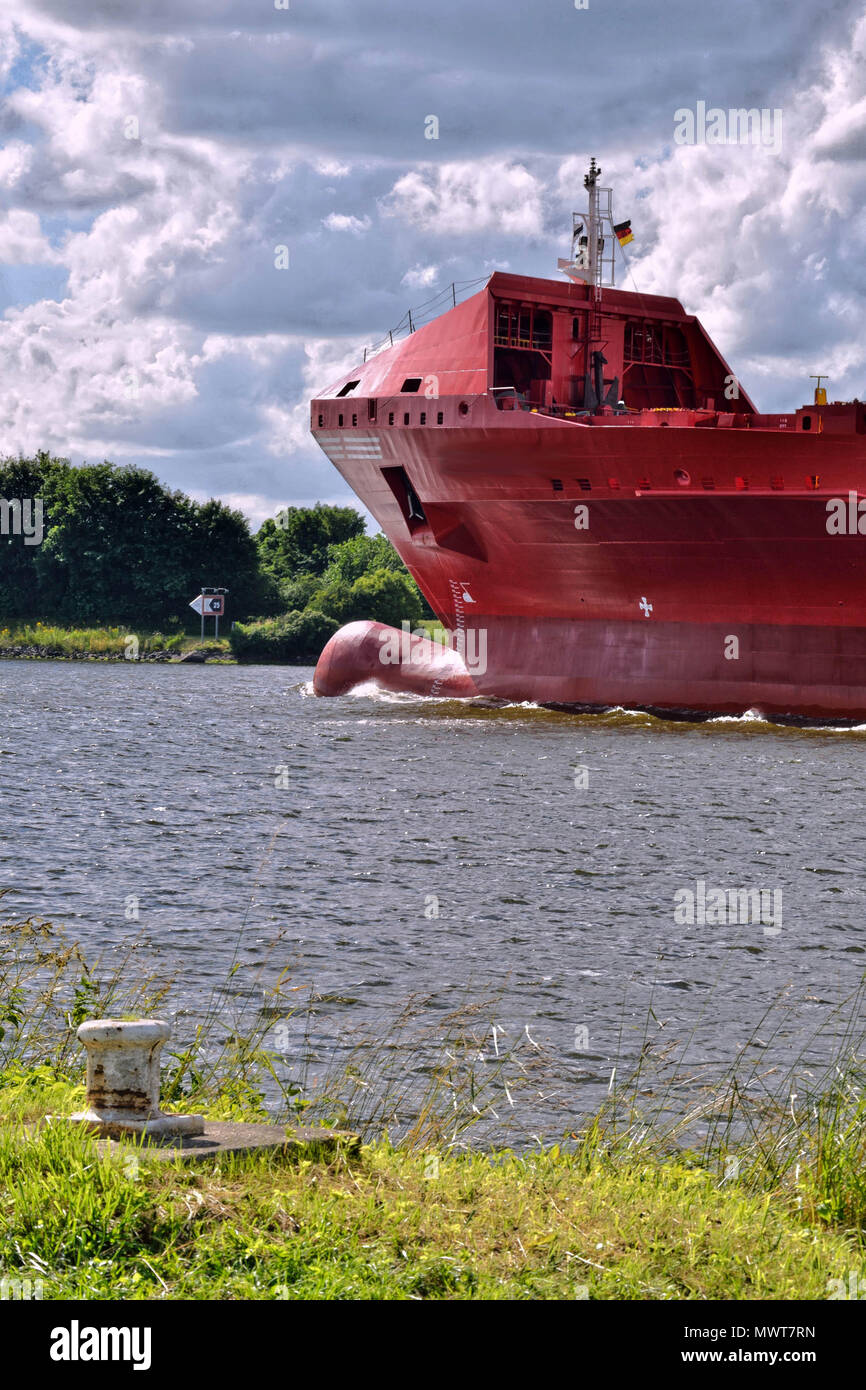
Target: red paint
{"x":360,"y":652}
{"x":714,"y":514}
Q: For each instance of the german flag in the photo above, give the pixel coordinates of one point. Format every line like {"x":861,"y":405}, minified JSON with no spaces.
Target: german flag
{"x":623,"y":232}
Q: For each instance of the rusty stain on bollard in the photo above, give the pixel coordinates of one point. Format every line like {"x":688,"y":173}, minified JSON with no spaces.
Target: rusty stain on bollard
{"x":123,"y":1080}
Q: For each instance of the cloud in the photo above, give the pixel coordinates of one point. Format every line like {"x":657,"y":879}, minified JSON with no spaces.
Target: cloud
{"x":341,"y":222}
{"x":420,"y":277}
{"x":22,"y":241}
{"x":157,"y":156}
{"x":468,"y":198}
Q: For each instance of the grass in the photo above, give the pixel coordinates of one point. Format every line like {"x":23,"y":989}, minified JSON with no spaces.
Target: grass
{"x":392,"y":1224}
{"x":99,"y":641}
{"x":434,"y":630}
{"x":752,"y":1187}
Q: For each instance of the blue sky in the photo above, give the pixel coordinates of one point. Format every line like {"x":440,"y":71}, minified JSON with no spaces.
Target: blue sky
{"x":155,"y":155}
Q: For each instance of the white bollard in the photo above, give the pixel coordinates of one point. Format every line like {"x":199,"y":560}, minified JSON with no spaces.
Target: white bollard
{"x":123,"y":1080}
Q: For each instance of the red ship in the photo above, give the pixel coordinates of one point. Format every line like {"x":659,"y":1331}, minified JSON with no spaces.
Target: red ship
{"x":582,"y":489}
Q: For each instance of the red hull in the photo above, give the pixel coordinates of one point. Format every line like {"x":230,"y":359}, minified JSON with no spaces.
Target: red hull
{"x":612,"y":560}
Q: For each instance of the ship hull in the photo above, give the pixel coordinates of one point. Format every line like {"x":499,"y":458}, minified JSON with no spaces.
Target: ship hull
{"x":714,"y":600}
{"x":680,"y":668}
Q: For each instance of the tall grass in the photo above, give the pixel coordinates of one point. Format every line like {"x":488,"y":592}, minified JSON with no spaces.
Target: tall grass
{"x":796,"y":1134}
{"x":96,"y":641}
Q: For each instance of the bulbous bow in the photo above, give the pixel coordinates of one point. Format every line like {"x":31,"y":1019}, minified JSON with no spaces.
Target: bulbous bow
{"x":395,"y":660}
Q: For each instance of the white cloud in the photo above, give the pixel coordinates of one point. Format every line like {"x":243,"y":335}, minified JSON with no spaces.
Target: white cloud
{"x":420,"y":277}
{"x":342,"y":222}
{"x":22,"y":241}
{"x":466,"y":198}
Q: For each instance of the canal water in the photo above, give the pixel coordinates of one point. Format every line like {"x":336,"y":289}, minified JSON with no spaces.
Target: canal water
{"x":546,"y":878}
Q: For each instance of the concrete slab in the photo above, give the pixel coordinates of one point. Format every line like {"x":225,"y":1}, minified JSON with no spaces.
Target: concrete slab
{"x":228,"y":1137}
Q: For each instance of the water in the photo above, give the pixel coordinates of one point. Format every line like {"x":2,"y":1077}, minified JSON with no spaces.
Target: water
{"x":253,"y":822}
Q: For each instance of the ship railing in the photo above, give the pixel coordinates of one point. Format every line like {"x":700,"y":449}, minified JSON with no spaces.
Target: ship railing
{"x":422,"y":314}
{"x":541,"y":342}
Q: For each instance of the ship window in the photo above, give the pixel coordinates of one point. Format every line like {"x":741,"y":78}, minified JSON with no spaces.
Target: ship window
{"x":412,"y":383}
{"x":613,"y":484}
{"x":390,"y":417}
{"x":440,"y":418}
{"x":354,"y":419}
{"x":348,"y":388}
{"x":371,"y":408}
{"x":575,"y":328}
{"x":406,"y":418}
{"x":585,"y":484}
{"x":321,"y":421}
{"x":557,"y":484}
{"x":807,"y":422}
{"x":463,"y":408}
{"x":423,"y":417}
{"x":339,"y":419}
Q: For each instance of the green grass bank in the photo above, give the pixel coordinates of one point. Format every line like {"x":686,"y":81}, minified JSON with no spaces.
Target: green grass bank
{"x":749,"y":1185}
{"x":393,"y":1223}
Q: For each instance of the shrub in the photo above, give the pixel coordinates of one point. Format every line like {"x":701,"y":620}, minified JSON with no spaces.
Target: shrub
{"x":295,"y":638}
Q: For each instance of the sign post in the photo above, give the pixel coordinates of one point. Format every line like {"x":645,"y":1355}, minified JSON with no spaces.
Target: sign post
{"x":210,"y":603}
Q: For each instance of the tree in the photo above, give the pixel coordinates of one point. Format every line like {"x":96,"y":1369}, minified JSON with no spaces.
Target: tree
{"x":348,"y":560}
{"x":118,"y":547}
{"x":297,"y":541}
{"x":385,"y":596}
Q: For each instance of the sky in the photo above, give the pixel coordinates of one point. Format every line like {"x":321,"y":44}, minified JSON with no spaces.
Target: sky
{"x":208,"y":207}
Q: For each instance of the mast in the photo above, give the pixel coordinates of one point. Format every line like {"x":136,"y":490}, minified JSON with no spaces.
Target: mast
{"x":592,"y":235}
{"x":593,"y":263}
{"x":590,"y":182}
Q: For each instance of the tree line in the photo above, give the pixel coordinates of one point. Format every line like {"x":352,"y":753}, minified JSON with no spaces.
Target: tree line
{"x":114,"y":546}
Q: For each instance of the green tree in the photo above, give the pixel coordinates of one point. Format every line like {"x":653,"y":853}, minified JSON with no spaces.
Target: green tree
{"x":297,"y":594}
{"x":351,"y":560}
{"x":385,"y":596}
{"x":297,"y":541}
{"x":21,"y":570}
{"x":118,"y":547}
{"x":348,"y":560}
